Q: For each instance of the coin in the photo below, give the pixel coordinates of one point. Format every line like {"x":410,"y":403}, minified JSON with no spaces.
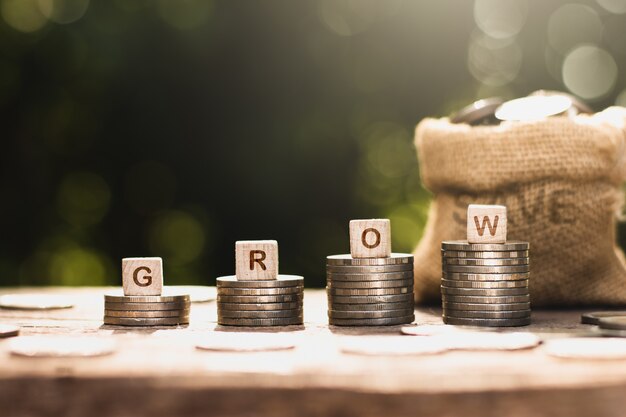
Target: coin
{"x":382,"y":276}
{"x":586,"y":348}
{"x":486,"y":307}
{"x":488,"y":269}
{"x":127,"y":321}
{"x":336,"y":314}
{"x":479,"y":112}
{"x":593,"y":318}
{"x":287,"y":321}
{"x":34,"y":302}
{"x":373,"y":299}
{"x":371,"y":307}
{"x":484,"y":292}
{"x":457,"y":283}
{"x":246,"y":342}
{"x":612,"y":323}
{"x":147,"y":314}
{"x":486,"y":314}
{"x":485,"y":277}
{"x":280,"y":282}
{"x":260,"y":306}
{"x":577,"y":104}
{"x":485,"y":262}
{"x":258,"y":314}
{"x":260,"y":299}
{"x":389,"y":345}
{"x":372,"y":322}
{"x":182,"y":298}
{"x":371,"y":284}
{"x":490,"y":341}
{"x":61,"y":346}
{"x":370,"y":291}
{"x":197,"y":293}
{"x":533,"y":108}
{"x":8,"y":330}
{"x":525,"y":321}
{"x":462,"y":245}
{"x":394,"y":259}
{"x":486,"y":300}
{"x":367,"y":270}
{"x":260,"y":291}
{"x":146,"y":306}
{"x":485,"y":255}
{"x":611,"y":332}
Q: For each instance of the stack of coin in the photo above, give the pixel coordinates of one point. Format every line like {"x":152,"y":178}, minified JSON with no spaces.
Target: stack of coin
{"x":370,"y":291}
{"x":276,"y":302}
{"x":485,"y":284}
{"x":146,"y":310}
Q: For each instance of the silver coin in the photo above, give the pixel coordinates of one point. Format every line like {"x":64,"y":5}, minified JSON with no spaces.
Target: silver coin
{"x":258,"y":314}
{"x":484,"y":292}
{"x":612,"y":323}
{"x":259,"y":306}
{"x":281,"y":281}
{"x":287,"y":321}
{"x":246,"y":342}
{"x":533,"y":108}
{"x":197,"y":293}
{"x":370,"y":291}
{"x":261,"y":299}
{"x":372,"y":322}
{"x":390,"y":345}
{"x":486,"y":300}
{"x":611,"y":332}
{"x":486,"y":314}
{"x":147,"y":314}
{"x":485,"y":262}
{"x":594,"y":317}
{"x":34,"y":302}
{"x":485,"y":277}
{"x":371,"y":284}
{"x":61,"y":346}
{"x":462,"y":245}
{"x":146,"y":306}
{"x":367,"y":270}
{"x":373,"y":299}
{"x":525,"y":321}
{"x":485,"y":255}
{"x":382,"y":276}
{"x":486,"y":307}
{"x":479,"y":112}
{"x":578,"y":105}
{"x":8,"y":330}
{"x":586,"y":348}
{"x":260,"y":291}
{"x":371,"y":307}
{"x":454,"y":283}
{"x":488,"y":269}
{"x":127,"y":321}
{"x":182,"y":298}
{"x":394,"y":259}
{"x":336,"y":314}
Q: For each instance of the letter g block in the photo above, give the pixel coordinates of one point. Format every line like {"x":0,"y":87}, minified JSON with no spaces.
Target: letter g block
{"x":142,"y":276}
{"x":256,"y":260}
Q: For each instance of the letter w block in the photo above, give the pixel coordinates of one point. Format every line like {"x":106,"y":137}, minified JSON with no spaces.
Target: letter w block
{"x":256,"y":260}
{"x":486,"y":224}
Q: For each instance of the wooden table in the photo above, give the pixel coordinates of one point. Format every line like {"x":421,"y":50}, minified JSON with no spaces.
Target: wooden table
{"x":158,"y":372}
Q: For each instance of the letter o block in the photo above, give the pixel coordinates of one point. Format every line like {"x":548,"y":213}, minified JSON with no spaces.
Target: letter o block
{"x":256,"y":260}
{"x":370,"y":238}
{"x":486,"y":223}
{"x":142,"y":276}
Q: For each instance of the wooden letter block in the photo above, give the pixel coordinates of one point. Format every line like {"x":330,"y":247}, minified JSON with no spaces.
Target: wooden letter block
{"x":142,"y":276}
{"x":486,"y":224}
{"x":370,"y":238}
{"x":256,"y":260}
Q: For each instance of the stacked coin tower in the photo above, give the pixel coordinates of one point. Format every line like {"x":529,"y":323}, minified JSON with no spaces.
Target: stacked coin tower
{"x":142,"y":303}
{"x":485,"y":279}
{"x":371,"y":286}
{"x":257,"y":295}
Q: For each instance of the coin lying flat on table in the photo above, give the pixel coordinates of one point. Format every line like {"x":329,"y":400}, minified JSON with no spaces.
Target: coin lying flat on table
{"x":372,"y":322}
{"x":486,"y":307}
{"x":458,"y":283}
{"x":281,"y":281}
{"x":147,"y":314}
{"x":586,"y":348}
{"x":389,"y":346}
{"x":7,"y":330}
{"x":463,"y":246}
{"x":612,"y":323}
{"x":259,"y":314}
{"x":246,"y":342}
{"x":394,"y":259}
{"x":260,"y":299}
{"x":367,"y":270}
{"x":34,"y":302}
{"x":487,"y":322}
{"x":486,"y":314}
{"x":127,"y":321}
{"x":61,"y":346}
{"x":485,"y":262}
{"x":488,"y":269}
{"x":372,"y":291}
{"x":463,"y":276}
{"x":371,"y":299}
{"x":486,"y":300}
{"x":479,"y":112}
{"x":288,"y":321}
{"x":380,"y":276}
{"x":182,"y":298}
{"x":485,"y":255}
{"x":337,"y":314}
{"x":371,"y":307}
{"x":394,"y":283}
{"x":594,"y":317}
{"x":534,"y":108}
{"x":147,"y":306}
{"x":484,"y":292}
{"x":260,"y":306}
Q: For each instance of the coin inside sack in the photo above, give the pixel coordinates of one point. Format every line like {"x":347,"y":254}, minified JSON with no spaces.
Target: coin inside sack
{"x":479,"y":112}
{"x":594,"y":317}
{"x":247,"y":342}
{"x":586,"y":348}
{"x":197,"y":293}
{"x":7,"y":330}
{"x":534,"y":108}
{"x":390,"y":345}
{"x":578,"y":106}
{"x":61,"y":346}
{"x":35,"y":302}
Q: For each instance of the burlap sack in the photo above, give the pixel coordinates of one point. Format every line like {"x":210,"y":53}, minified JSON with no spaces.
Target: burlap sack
{"x":560,"y":180}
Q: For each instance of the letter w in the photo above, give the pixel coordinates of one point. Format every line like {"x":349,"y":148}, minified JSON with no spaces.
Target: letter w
{"x":481,"y":229}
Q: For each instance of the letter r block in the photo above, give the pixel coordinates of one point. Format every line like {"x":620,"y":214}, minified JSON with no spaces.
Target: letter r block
{"x":256,"y":260}
{"x":486,"y":224}
{"x":142,"y":276}
{"x":370,"y":238}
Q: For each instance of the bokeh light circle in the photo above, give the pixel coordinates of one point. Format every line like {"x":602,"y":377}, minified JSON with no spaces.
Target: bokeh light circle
{"x":83,"y":198}
{"x":589,"y":72}
{"x":613,"y":6}
{"x":495,"y":62}
{"x":22,"y":15}
{"x":500,"y":18}
{"x":63,"y":11}
{"x":573,"y":24}
{"x":177,"y":236}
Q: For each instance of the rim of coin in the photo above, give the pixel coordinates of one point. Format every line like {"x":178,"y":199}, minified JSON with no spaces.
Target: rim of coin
{"x":281,"y":281}
{"x":285,"y":321}
{"x":609,"y":332}
{"x":471,"y":314}
{"x":477,"y":299}
{"x":484,"y":292}
{"x":246,"y":342}
{"x":370,"y":291}
{"x":464,"y":246}
{"x":261,"y":299}
{"x":525,"y":321}
{"x":61,"y":346}
{"x":487,"y":269}
{"x":392,"y":321}
{"x":464,"y":276}
{"x":531,"y":108}
{"x":260,"y":306}
{"x":368,"y":270}
{"x":347,"y":259}
{"x":147,"y":314}
{"x":441,"y":329}
{"x":485,"y":262}
{"x":458,"y":283}
{"x":35,"y":302}
{"x":486,"y":307}
{"x":478,"y":111}
{"x":181,"y":298}
{"x":490,"y":340}
{"x":379,"y":314}
{"x":595,"y":316}
{"x":586,"y":348}
{"x":392,"y":283}
{"x":258,"y":314}
{"x":7,"y":330}
{"x":197,"y":293}
{"x":374,"y":276}
{"x":580,"y":105}
{"x":612,"y":323}
{"x":389,"y":345}
{"x":296,"y":289}
{"x":369,"y":299}
{"x":371,"y":307}
{"x":485,"y":254}
{"x":147,"y":306}
{"x":145,"y":322}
